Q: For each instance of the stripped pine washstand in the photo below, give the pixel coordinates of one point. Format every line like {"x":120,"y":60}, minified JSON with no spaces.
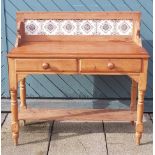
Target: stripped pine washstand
{"x":94,"y":43}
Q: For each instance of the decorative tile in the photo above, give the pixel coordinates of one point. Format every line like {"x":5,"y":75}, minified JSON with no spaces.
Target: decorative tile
{"x":123,"y":27}
{"x":33,"y":27}
{"x":78,"y":27}
{"x":105,"y":27}
{"x":68,"y":27}
{"x":87,"y":27}
{"x":50,"y":27}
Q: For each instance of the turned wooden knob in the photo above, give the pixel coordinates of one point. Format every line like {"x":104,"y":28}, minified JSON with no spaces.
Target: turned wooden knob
{"x":45,"y":65}
{"x":111,"y":65}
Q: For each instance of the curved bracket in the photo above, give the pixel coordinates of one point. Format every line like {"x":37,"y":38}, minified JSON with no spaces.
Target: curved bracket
{"x":21,"y":76}
{"x":134,"y":77}
{"x":139,"y":40}
{"x":19,"y":34}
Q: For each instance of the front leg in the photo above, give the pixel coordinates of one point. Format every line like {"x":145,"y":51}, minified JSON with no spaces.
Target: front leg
{"x":140,"y":110}
{"x":14,"y":104}
{"x":14,"y":113}
{"x":140,"y":106}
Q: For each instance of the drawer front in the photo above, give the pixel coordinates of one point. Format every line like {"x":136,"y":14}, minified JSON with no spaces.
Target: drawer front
{"x":110,"y":65}
{"x":47,"y":65}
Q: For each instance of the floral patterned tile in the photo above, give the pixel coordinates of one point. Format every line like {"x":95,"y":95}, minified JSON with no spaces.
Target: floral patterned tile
{"x":78,"y":27}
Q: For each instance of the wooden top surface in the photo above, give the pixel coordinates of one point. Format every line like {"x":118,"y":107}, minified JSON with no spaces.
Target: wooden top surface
{"x":79,"y":49}
{"x":135,"y":15}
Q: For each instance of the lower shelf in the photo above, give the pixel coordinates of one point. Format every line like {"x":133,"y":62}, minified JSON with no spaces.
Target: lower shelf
{"x":77,"y":114}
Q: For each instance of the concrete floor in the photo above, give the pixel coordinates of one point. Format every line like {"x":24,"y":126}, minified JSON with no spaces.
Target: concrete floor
{"x":76,"y":138}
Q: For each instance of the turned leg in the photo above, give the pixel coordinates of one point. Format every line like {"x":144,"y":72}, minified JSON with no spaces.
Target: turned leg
{"x":140,"y":110}
{"x":23,"y":105}
{"x":133,"y":98}
{"x":13,"y":82}
{"x":23,"y":95}
{"x":14,"y":113}
{"x":140,"y":105}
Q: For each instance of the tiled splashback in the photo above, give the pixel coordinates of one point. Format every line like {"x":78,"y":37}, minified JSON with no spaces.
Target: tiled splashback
{"x":78,"y":27}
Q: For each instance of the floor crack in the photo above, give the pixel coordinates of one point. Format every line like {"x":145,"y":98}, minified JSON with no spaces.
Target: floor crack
{"x":50,"y":136}
{"x":150,"y":117}
{"x":4,"y":119}
{"x":105,"y":137}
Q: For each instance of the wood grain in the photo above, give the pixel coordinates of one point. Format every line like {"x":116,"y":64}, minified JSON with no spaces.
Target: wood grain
{"x":77,"y":114}
{"x":140,"y":105}
{"x":14,"y":120}
{"x":80,"y":49}
{"x":53,"y":65}
{"x":21,"y":16}
{"x":119,"y":65}
{"x":133,"y":95}
{"x":23,"y":94}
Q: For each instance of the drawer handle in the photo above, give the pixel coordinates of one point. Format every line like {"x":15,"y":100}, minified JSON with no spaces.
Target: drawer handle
{"x":45,"y":65}
{"x":111,"y":65}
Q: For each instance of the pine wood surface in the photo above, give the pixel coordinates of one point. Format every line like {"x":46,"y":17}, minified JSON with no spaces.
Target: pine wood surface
{"x":80,"y":49}
{"x":77,"y":114}
{"x":135,"y":15}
